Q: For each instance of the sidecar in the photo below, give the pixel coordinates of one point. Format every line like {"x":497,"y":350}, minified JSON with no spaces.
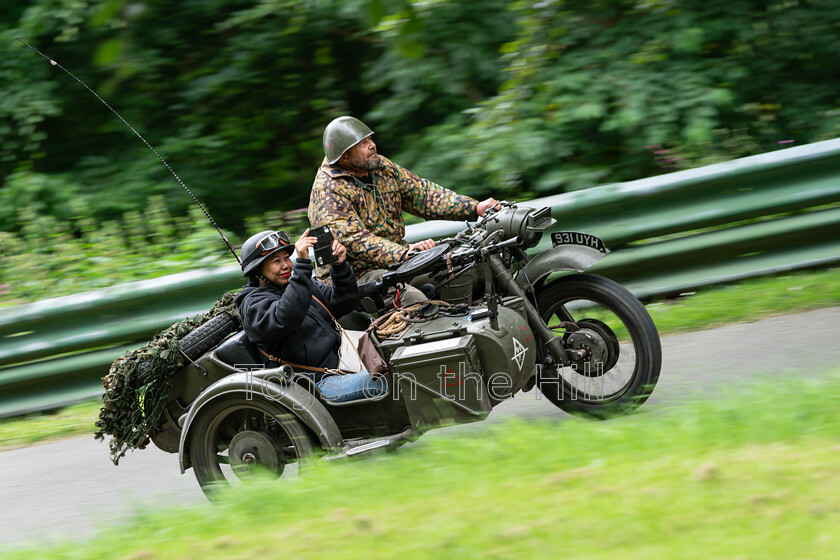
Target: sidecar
{"x":229,"y":417}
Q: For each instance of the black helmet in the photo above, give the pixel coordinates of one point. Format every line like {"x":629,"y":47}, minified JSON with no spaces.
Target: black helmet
{"x":342,"y":134}
{"x":258,"y":247}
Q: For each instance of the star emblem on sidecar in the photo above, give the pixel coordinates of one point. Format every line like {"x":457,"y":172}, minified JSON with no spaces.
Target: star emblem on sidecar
{"x":518,"y":353}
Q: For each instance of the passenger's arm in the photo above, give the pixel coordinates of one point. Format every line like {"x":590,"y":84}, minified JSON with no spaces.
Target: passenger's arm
{"x":272,"y":314}
{"x":344,"y":294}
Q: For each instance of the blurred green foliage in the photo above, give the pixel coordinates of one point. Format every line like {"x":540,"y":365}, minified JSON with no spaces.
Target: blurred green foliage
{"x":516,"y":99}
{"x":612,"y":90}
{"x":50,"y":258}
{"x":234,"y":94}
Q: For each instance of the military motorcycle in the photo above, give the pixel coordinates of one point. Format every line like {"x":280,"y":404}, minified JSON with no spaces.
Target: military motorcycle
{"x":500,"y":322}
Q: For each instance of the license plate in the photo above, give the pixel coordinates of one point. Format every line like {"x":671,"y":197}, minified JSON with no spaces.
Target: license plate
{"x":578,"y":238}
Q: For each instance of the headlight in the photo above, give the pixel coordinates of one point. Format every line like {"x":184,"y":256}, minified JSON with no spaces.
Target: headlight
{"x":526,"y":223}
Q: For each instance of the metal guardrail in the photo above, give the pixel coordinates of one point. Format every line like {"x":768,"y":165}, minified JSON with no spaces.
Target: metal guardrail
{"x":124,"y":313}
{"x":670,"y":233}
{"x":55,"y":352}
{"x":720,"y":223}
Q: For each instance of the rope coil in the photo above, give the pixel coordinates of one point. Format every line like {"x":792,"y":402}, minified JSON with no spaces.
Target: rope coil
{"x":399,"y":319}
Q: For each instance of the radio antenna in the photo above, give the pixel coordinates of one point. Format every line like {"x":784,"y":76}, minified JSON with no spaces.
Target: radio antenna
{"x":54,"y":63}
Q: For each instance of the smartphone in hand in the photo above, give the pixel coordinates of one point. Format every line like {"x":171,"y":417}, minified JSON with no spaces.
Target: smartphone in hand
{"x":323,"y":247}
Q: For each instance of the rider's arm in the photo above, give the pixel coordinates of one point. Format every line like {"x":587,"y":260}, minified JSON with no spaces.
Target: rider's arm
{"x":429,"y":200}
{"x":272,"y":314}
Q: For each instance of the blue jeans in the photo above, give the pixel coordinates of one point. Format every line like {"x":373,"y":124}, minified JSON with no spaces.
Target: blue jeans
{"x":352,"y":386}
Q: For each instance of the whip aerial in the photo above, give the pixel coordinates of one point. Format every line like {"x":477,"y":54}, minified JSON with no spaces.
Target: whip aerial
{"x":54,"y":63}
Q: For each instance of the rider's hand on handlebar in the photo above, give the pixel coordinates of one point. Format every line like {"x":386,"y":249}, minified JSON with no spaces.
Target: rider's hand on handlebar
{"x":419,"y":246}
{"x":485,"y":205}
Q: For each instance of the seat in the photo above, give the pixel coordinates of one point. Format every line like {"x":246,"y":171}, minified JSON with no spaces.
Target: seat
{"x":238,"y":351}
{"x":355,"y":321}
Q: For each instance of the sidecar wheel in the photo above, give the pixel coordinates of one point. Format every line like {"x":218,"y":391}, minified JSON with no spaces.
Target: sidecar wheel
{"x":237,"y":439}
{"x":620,"y":341}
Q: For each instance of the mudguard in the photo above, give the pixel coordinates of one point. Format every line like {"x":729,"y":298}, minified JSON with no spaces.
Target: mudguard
{"x":265,"y":384}
{"x":572,"y":258}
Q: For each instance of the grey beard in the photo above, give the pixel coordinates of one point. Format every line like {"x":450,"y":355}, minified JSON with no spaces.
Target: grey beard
{"x":364,"y":165}
{"x":370,"y":165}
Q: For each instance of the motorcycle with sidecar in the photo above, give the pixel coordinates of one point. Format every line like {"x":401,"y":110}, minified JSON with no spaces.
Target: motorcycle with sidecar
{"x":501,"y":322}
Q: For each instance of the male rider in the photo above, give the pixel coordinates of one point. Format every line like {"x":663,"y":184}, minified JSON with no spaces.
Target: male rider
{"x":361,"y":195}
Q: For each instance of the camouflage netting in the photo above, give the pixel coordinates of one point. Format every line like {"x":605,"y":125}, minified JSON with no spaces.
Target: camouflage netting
{"x":139,"y":381}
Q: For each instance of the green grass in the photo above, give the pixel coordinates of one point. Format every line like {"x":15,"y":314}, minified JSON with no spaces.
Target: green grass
{"x":38,"y":428}
{"x":746,"y":301}
{"x":750,"y":475}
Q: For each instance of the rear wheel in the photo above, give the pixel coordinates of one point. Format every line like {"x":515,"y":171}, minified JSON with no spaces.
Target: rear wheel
{"x":616,"y":353}
{"x":236,"y":439}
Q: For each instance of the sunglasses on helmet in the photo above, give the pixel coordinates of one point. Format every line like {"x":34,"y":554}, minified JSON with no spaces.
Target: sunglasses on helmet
{"x":273,"y":240}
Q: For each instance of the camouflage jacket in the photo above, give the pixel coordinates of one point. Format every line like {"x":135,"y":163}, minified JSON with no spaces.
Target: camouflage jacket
{"x":368,"y":220}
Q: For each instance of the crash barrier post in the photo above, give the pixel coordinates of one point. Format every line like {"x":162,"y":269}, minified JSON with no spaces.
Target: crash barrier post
{"x":756,"y":215}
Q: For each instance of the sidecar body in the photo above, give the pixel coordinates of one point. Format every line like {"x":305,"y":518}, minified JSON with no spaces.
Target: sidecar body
{"x":447,"y":370}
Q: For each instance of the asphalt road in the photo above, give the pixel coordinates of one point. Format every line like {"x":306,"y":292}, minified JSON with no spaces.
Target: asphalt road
{"x":68,"y":489}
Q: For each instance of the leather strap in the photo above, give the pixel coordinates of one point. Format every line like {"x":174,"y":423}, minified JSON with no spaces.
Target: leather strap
{"x":325,"y":307}
{"x":277,"y":360}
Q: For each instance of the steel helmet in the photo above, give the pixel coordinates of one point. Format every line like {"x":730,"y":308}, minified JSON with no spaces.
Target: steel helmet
{"x":342,"y":134}
{"x":259,"y":246}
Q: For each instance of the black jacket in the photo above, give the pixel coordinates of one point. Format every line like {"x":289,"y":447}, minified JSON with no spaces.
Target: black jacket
{"x":289,"y":324}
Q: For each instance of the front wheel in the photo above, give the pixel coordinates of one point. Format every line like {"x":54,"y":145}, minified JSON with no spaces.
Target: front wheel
{"x":616,"y":354}
{"x":236,"y":439}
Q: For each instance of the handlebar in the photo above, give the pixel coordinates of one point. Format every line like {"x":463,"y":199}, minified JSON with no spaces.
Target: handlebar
{"x":473,"y":252}
{"x":371,"y":289}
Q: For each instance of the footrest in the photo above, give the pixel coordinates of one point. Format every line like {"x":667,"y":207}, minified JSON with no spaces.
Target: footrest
{"x":364,"y":446}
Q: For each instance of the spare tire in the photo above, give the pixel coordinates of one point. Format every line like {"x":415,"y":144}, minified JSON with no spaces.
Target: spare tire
{"x":208,"y":335}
